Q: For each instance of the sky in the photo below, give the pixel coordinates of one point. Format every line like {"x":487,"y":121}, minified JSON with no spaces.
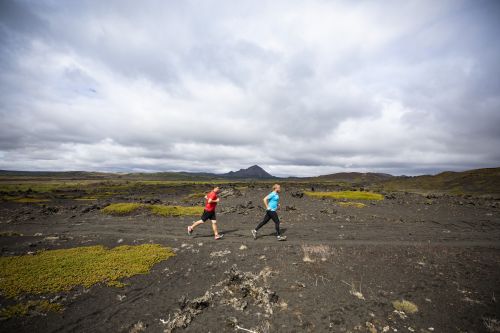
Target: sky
{"x":301,"y":88}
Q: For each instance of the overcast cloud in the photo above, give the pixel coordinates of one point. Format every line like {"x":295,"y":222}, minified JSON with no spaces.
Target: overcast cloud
{"x":298,"y":87}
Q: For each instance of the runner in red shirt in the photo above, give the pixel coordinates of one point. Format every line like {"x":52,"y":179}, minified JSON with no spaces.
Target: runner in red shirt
{"x":209,"y":213}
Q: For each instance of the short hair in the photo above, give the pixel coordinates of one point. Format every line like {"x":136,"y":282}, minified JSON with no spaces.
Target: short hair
{"x":275,"y":186}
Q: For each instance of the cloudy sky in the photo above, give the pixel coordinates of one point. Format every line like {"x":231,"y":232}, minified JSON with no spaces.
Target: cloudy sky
{"x":298,"y":87}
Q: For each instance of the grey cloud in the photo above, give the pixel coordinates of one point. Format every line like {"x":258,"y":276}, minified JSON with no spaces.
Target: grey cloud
{"x":299,"y":87}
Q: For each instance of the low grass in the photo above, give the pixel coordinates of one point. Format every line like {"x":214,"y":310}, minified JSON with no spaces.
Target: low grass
{"x":121,"y":208}
{"x":20,"y":199}
{"x":175,"y":210}
{"x":23,"y":309}
{"x":351,"y":195}
{"x":351,"y":204}
{"x":30,"y":200}
{"x":61,"y":270}
{"x":405,"y":306}
{"x":87,"y":199}
{"x":163,"y":210}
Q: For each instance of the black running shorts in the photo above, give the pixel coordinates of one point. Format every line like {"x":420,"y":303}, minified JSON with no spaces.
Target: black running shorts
{"x":208,"y":215}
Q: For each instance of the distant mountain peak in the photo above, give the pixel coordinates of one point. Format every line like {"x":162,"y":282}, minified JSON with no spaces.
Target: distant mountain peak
{"x":254,"y":171}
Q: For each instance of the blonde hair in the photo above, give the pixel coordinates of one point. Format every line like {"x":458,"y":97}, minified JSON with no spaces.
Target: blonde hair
{"x":275,"y":186}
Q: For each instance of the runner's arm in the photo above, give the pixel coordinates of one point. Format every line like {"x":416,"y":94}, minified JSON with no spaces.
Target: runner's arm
{"x":266,"y":202}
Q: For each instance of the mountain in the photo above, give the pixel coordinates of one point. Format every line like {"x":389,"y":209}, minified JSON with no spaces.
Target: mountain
{"x":253,"y":172}
{"x":484,"y":181}
{"x":354,"y":177}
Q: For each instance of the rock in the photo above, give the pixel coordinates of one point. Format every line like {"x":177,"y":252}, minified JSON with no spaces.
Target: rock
{"x":297,"y":194}
{"x":152,"y":201}
{"x":328,"y":211}
{"x":90,"y":209}
{"x":50,"y":210}
{"x":230,"y":192}
{"x":289,"y":208}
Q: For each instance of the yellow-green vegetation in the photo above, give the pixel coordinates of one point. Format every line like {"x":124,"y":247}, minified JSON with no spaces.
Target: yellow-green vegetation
{"x":121,"y":208}
{"x":86,"y":199}
{"x":23,"y":309}
{"x":163,"y":210}
{"x":175,"y":210}
{"x":352,"y":204}
{"x":60,"y":270}
{"x":30,"y":200}
{"x":194,"y":196}
{"x":351,"y":195}
{"x":405,"y":306}
{"x":23,"y":199}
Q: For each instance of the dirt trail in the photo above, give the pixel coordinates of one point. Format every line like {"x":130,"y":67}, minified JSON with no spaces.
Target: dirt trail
{"x":339,"y":271}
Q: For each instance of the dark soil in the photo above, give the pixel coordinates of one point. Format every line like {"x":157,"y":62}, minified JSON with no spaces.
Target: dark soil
{"x":339,"y":271}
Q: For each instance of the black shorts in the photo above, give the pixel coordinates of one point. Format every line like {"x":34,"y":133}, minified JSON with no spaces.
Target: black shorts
{"x":208,"y":215}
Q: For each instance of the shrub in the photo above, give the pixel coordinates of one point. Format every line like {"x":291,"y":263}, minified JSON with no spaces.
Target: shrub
{"x":405,"y":306}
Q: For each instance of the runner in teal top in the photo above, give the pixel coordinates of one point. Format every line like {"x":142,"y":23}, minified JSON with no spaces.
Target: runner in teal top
{"x":273,"y":200}
{"x":272,"y":204}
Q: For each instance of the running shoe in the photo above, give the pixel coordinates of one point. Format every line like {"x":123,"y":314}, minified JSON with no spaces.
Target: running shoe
{"x":190,"y":230}
{"x":254,"y":234}
{"x":219,"y":236}
{"x":281,"y":238}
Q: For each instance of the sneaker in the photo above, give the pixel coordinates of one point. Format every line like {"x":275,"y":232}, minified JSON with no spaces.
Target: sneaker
{"x":281,"y":238}
{"x":254,"y":234}
{"x":190,"y":230}
{"x":219,"y":236}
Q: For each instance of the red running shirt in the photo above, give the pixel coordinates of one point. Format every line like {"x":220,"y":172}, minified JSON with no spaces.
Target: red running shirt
{"x":210,"y":207}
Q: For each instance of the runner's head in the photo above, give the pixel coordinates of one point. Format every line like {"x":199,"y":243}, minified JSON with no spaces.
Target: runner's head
{"x":216,"y":189}
{"x":276,"y":188}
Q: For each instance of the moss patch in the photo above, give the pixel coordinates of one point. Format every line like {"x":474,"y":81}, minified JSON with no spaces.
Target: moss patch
{"x":30,"y":307}
{"x":86,"y":199}
{"x":60,"y":270}
{"x":121,"y":208}
{"x":351,"y":195}
{"x":352,"y":204}
{"x":175,"y":210}
{"x":163,"y":210}
{"x":405,"y":306}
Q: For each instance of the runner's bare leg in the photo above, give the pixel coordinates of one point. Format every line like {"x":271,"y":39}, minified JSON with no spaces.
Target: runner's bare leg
{"x":214,"y":227}
{"x":197,"y":223}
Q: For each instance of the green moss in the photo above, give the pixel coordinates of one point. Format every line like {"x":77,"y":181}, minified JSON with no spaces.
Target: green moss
{"x":60,"y":270}
{"x":352,"y":195}
{"x":175,"y":210}
{"x":127,"y":208}
{"x":86,"y":199}
{"x":30,"y":200}
{"x":352,"y":204}
{"x":121,"y":208}
{"x":405,"y":306}
{"x":23,"y":309}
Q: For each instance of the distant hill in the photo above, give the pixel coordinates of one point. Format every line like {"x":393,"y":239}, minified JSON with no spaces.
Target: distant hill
{"x":478,"y":181}
{"x":253,"y":172}
{"x":354,"y":177}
